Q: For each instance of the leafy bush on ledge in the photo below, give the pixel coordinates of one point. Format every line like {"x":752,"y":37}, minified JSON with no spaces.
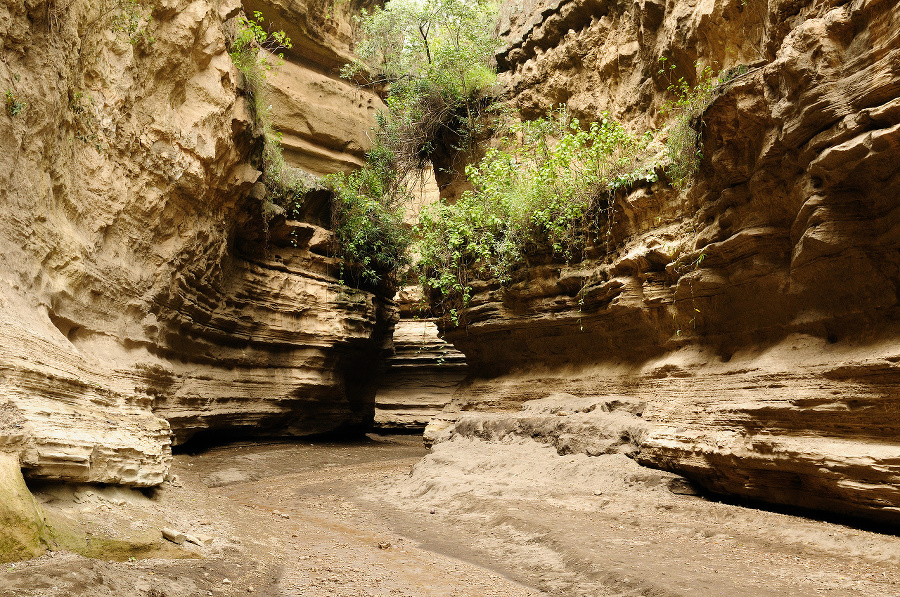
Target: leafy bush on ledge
{"x":436,"y":60}
{"x":367,"y":219}
{"x":14,"y":106}
{"x":254,"y":50}
{"x":545,"y":188}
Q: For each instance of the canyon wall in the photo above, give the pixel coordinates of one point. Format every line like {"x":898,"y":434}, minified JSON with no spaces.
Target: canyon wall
{"x":753,"y":314}
{"x":143,"y":298}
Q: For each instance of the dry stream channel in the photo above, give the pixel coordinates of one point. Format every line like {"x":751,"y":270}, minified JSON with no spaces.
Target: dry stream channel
{"x":385,"y":516}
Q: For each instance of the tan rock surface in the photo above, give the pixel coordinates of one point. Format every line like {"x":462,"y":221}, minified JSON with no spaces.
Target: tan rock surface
{"x":420,"y":379}
{"x":786,"y":238}
{"x":137,"y":297}
{"x":783,"y":424}
{"x":325,"y":121}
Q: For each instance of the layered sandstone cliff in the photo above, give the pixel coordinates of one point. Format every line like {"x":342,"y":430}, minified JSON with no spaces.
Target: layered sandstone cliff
{"x":754,"y":313}
{"x":140,"y":301}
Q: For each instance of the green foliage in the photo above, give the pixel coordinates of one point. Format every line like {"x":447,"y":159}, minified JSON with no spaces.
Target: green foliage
{"x":544,"y":189}
{"x":449,"y":43}
{"x":437,"y":59}
{"x":253,"y":51}
{"x":285,"y":186}
{"x":14,"y":106}
{"x":367,"y":218}
{"x":85,"y":121}
{"x":688,"y":105}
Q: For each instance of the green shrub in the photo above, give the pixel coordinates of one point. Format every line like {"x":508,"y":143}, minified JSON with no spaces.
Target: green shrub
{"x":253,"y":46}
{"x":285,"y":186}
{"x":255,"y":52}
{"x":367,"y":218}
{"x":544,"y":189}
{"x":437,"y":58}
{"x":14,"y":106}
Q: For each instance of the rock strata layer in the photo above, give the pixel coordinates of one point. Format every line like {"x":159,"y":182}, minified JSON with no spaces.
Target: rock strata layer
{"x":754,"y":311}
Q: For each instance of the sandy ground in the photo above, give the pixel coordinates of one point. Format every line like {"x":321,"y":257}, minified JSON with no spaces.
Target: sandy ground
{"x":385,"y":517}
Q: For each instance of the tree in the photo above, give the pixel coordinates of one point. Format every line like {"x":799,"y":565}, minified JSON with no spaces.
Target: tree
{"x":436,"y":61}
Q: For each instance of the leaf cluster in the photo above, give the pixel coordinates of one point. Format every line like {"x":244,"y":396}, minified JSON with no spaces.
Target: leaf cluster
{"x":449,"y":43}
{"x":14,"y":106}
{"x":131,"y":18}
{"x":436,"y":60}
{"x":685,"y":109}
{"x":252,"y":51}
{"x":255,"y":51}
{"x":252,"y":38}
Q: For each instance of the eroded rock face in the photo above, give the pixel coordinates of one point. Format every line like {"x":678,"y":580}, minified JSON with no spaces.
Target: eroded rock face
{"x":138,"y":302}
{"x":325,"y":120}
{"x":25,"y":534}
{"x":776,"y":271}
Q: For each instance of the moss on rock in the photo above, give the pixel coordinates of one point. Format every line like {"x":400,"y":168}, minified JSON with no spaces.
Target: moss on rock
{"x":25,"y":531}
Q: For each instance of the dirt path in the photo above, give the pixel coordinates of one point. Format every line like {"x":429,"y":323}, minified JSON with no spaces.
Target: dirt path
{"x":470,"y":519}
{"x":579,"y":525}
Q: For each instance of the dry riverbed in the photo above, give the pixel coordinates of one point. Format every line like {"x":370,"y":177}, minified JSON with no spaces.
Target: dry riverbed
{"x":386,"y":517}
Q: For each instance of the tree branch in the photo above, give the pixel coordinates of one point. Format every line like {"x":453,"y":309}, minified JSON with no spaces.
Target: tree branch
{"x":423,"y":31}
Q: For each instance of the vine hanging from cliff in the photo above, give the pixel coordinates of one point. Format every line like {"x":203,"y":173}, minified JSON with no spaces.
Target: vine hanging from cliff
{"x":256,"y":51}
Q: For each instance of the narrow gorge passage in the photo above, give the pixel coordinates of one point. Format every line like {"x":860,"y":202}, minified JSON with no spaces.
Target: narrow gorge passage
{"x":371,"y":517}
{"x":654,"y":348}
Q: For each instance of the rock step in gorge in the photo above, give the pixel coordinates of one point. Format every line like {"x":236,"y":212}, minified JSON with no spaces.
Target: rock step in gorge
{"x":741,"y":331}
{"x":422,"y":374}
